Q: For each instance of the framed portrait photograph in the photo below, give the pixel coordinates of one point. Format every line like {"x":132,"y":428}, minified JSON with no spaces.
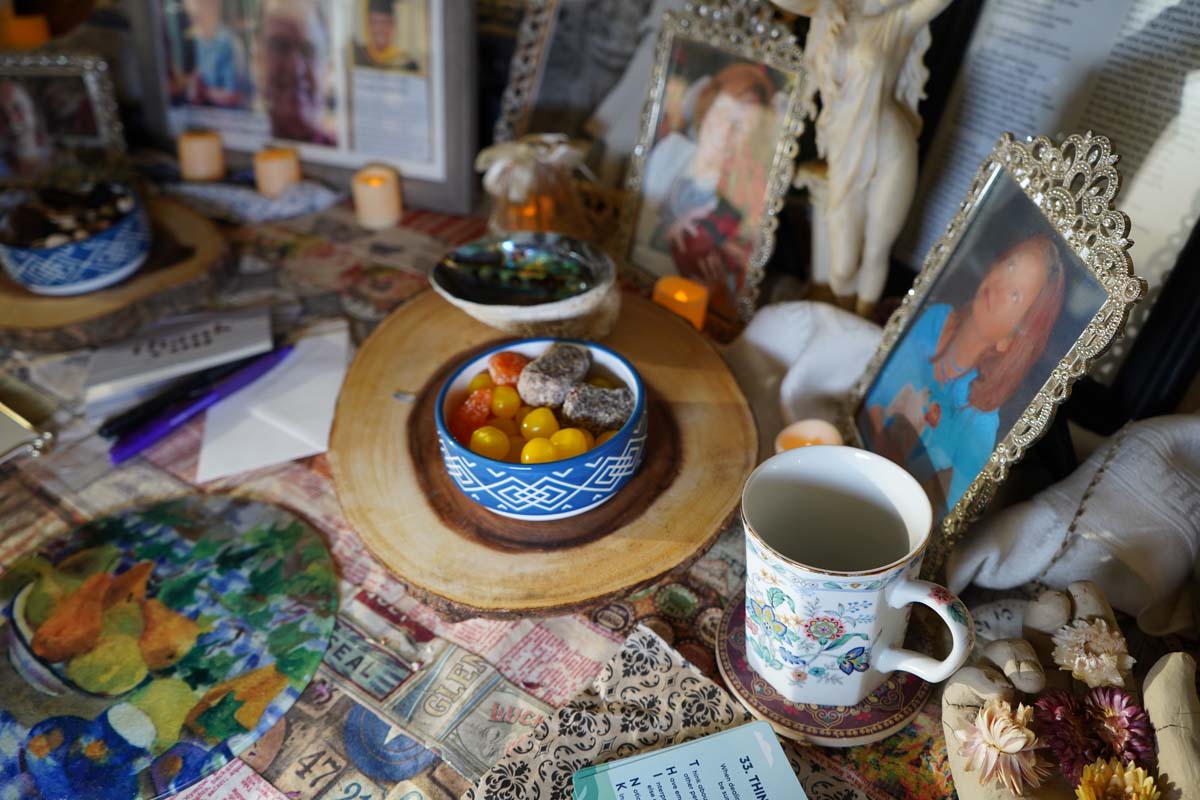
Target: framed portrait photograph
{"x":55,"y":109}
{"x":346,"y":84}
{"x":580,"y":68}
{"x":715,"y":153}
{"x":1030,"y":284}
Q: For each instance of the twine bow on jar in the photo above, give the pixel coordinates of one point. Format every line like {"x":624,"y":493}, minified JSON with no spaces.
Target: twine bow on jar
{"x":530,"y":181}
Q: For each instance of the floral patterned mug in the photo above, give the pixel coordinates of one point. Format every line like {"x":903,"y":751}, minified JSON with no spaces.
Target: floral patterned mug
{"x":834,"y":540}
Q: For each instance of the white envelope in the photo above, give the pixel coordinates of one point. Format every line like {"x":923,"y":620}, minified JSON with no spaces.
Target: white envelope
{"x":284,"y":415}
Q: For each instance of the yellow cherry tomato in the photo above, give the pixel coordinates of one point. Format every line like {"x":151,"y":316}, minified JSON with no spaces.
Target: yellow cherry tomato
{"x":506,"y":425}
{"x":570,"y":442}
{"x":538,"y":450}
{"x":604,"y":437}
{"x":481,"y":381}
{"x":539,"y":423}
{"x":505,"y":402}
{"x":489,"y":442}
{"x":522,"y":412}
{"x":515,"y":445}
{"x":601,"y":382}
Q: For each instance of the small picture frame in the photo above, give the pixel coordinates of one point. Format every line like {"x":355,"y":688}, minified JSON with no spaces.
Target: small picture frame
{"x":55,"y":109}
{"x":1029,"y":285}
{"x":716,"y":151}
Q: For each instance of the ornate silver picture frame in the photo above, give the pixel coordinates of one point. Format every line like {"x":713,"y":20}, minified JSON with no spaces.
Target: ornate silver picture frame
{"x":716,"y":151}
{"x":55,"y":108}
{"x":1030,"y":284}
{"x":580,"y":68}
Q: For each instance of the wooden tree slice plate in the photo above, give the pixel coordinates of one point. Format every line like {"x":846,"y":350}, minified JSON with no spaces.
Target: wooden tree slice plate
{"x":461,"y":560}
{"x":185,"y":247}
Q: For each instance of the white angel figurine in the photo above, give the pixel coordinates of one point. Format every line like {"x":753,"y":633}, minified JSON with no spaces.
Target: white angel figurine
{"x":865,"y":58}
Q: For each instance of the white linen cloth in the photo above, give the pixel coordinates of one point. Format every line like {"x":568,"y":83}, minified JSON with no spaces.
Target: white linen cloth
{"x":1137,"y":535}
{"x":797,"y":360}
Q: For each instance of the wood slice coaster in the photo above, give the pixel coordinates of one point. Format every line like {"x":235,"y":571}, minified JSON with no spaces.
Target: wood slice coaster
{"x":174,"y":280}
{"x":465,"y":561}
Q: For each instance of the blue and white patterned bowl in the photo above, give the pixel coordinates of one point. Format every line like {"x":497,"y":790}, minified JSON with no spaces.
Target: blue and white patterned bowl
{"x":559,"y":489}
{"x":84,"y":266}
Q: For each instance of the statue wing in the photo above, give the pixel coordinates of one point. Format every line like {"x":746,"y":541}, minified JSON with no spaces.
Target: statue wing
{"x":910,"y":87}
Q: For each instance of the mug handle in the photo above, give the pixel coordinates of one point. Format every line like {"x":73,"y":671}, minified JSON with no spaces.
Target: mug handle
{"x":952,"y":611}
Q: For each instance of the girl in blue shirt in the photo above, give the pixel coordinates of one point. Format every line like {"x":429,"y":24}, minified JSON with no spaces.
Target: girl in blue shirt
{"x":934,"y":408}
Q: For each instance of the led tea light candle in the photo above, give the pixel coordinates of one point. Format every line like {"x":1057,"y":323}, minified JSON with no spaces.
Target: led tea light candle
{"x":275,"y":169}
{"x":200,"y":156}
{"x":376,"y":197}
{"x":807,"y":432}
{"x":686,"y":298}
{"x":23,"y":31}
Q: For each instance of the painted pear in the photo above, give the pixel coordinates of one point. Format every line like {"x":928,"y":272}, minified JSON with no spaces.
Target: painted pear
{"x":73,"y":627}
{"x":130,"y":585}
{"x":251,"y":693}
{"x":112,"y":667}
{"x":167,"y":635}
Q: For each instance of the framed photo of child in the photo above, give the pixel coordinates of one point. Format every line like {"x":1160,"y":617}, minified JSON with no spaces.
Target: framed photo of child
{"x":1031,"y":282}
{"x":715,"y":153}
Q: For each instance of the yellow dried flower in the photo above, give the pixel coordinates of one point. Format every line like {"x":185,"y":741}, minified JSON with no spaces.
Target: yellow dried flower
{"x":1108,"y":780}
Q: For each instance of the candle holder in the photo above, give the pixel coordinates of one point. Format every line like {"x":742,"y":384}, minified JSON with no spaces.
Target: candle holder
{"x":532,"y":188}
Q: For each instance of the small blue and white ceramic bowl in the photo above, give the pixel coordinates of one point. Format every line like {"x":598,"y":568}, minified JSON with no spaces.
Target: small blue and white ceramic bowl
{"x":86,"y":265}
{"x":558,"y":489}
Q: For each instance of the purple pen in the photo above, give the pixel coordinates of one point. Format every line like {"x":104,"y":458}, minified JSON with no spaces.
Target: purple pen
{"x":161,"y":425}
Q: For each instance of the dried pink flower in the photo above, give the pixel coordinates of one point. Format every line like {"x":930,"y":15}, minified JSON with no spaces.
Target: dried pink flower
{"x":1000,"y":746}
{"x":1123,"y":725}
{"x":1062,"y":726}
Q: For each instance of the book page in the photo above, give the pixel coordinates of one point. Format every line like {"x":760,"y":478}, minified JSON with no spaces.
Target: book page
{"x":1127,"y":69}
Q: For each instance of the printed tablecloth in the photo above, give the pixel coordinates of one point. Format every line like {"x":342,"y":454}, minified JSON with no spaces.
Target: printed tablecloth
{"x":405,"y":705}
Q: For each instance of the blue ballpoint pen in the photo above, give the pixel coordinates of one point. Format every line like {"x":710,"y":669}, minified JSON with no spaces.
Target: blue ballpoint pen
{"x":161,"y":425}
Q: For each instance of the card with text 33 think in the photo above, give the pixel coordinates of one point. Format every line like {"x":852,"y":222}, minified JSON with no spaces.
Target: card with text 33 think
{"x":744,"y":763}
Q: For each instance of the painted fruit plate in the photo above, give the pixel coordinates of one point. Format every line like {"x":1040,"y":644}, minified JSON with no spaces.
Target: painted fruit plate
{"x":147,"y":649}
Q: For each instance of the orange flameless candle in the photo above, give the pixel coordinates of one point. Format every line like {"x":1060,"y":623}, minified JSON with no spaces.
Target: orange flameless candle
{"x":200,"y":156}
{"x":276,"y":169}
{"x":686,"y":298}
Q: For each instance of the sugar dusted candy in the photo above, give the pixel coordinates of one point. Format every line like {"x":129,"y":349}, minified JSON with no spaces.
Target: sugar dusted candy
{"x":546,"y":380}
{"x":595,"y":409}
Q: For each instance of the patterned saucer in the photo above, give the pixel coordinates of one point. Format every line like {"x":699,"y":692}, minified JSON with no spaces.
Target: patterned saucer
{"x":885,"y":711}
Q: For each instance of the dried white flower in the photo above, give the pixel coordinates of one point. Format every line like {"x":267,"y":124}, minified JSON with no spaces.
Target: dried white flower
{"x":1092,"y":651}
{"x":1000,"y":746}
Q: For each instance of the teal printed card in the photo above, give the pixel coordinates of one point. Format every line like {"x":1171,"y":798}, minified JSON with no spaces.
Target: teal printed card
{"x":744,"y":763}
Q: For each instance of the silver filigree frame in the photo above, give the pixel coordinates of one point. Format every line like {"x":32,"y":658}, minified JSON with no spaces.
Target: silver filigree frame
{"x":525,"y":70}
{"x":747,"y":29}
{"x":1073,"y":185}
{"x":93,"y":71}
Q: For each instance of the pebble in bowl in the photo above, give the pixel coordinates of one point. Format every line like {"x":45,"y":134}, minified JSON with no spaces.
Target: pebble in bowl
{"x":532,"y":284}
{"x":58,"y":242}
{"x":543,"y":470}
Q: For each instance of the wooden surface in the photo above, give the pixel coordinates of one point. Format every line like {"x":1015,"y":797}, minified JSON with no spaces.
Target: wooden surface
{"x":195,"y":246}
{"x":382,"y":496}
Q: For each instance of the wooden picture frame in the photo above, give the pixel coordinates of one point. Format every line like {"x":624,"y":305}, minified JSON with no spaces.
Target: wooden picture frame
{"x":1037,"y":257}
{"x":738,"y":59}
